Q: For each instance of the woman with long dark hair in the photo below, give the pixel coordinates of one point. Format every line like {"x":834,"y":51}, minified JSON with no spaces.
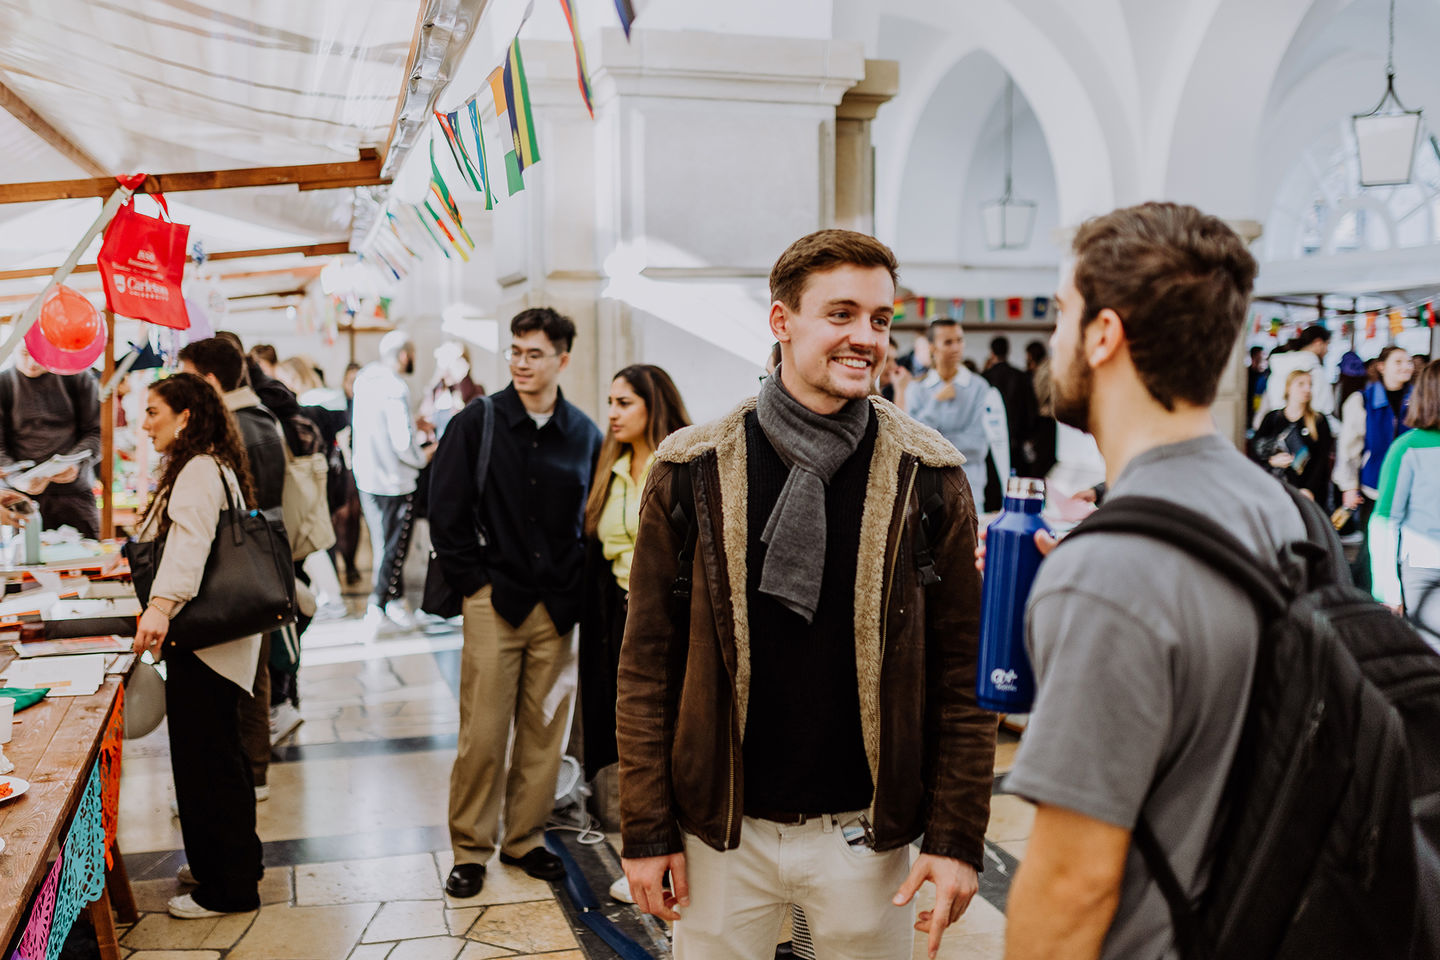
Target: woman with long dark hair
{"x":204,"y":458}
{"x":645,"y":408}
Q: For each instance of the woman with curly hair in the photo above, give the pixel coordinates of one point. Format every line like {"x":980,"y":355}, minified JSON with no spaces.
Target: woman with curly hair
{"x":205,"y":469}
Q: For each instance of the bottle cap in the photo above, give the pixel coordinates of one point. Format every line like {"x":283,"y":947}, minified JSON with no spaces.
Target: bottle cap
{"x":1024,"y":488}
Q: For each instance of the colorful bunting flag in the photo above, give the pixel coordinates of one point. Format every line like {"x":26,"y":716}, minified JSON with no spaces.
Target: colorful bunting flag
{"x":1371,"y":320}
{"x":582,"y":72}
{"x":472,"y":108}
{"x":957,"y":309}
{"x":626,"y":10}
{"x":1397,"y":322}
{"x":421,"y":217}
{"x":987,"y":311}
{"x":440,"y":222}
{"x":1012,"y":308}
{"x":1042,"y":308}
{"x":449,"y":125}
{"x":900,"y":313}
{"x":442,"y":193}
{"x":511,"y":94}
{"x":1429,"y":314}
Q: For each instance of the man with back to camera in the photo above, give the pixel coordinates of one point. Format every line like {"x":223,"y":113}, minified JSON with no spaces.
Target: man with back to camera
{"x":1019,"y":395}
{"x":775,"y":745}
{"x":387,"y":461}
{"x":964,"y":408}
{"x":520,"y":572}
{"x":1138,"y":647}
{"x":43,"y":414}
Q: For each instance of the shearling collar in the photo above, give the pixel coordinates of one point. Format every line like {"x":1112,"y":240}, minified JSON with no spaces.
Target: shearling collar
{"x":896,"y":435}
{"x":912,"y":437}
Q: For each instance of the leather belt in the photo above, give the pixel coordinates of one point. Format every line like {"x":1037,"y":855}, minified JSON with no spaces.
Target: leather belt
{"x":787,"y":819}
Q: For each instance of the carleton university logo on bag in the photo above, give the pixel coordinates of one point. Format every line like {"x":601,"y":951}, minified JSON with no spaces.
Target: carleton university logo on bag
{"x":1004,"y":680}
{"x":142,"y":287}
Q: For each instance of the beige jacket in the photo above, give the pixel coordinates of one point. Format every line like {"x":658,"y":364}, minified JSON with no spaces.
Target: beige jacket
{"x":194,"y":509}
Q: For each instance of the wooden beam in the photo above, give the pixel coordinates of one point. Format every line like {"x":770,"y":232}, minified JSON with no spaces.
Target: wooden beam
{"x":42,"y":128}
{"x":348,"y":182}
{"x":365,"y":168}
{"x":107,"y":436}
{"x":298,"y":292}
{"x":331,"y":249}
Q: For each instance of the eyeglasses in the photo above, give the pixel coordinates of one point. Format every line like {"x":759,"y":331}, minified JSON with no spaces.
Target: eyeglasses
{"x":514,"y":355}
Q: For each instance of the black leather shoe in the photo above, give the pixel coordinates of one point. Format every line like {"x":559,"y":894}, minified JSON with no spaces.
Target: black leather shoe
{"x":538,"y":863}
{"x":465,"y":880}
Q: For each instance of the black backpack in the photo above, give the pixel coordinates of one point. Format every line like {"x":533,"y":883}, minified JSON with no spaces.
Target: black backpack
{"x":1327,"y":839}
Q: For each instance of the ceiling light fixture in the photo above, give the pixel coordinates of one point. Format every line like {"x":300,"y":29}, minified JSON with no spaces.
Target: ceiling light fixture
{"x":1386,"y":136}
{"x":1008,"y":221}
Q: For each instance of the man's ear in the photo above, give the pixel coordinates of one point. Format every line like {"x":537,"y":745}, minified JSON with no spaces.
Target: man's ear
{"x":564,"y":362}
{"x":1104,"y":338}
{"x":780,"y":322}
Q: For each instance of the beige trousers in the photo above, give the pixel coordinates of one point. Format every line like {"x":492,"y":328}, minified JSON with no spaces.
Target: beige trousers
{"x":519,"y":679}
{"x":740,"y":898}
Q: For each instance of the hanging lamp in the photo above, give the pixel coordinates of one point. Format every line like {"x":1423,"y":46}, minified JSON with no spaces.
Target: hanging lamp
{"x":1008,"y":221}
{"x":1386,"y":136}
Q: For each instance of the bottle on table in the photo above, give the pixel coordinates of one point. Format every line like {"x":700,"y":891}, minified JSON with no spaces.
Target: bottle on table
{"x":1005,"y":682}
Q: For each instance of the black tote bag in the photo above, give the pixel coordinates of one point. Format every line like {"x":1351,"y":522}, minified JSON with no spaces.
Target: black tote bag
{"x":439,"y":599}
{"x":248,"y":586}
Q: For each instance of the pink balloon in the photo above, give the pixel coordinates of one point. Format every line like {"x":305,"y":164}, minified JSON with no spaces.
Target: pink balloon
{"x":60,"y":361}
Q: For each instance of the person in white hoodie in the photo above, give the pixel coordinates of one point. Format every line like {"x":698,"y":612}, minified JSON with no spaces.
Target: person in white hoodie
{"x":388,"y":458}
{"x":1307,"y":352}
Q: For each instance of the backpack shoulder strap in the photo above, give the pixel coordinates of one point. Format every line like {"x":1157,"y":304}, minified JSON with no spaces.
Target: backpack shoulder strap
{"x":682,"y":521}
{"x":932,"y":514}
{"x":482,"y":457}
{"x":1194,"y":533}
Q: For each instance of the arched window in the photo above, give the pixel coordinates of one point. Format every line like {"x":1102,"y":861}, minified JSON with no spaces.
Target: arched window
{"x":1320,"y":207}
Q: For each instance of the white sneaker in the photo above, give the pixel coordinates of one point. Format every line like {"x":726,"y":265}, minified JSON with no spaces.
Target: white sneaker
{"x":330,"y":612}
{"x":184,"y":907}
{"x":184,"y":875}
{"x":397,"y":613}
{"x":620,"y":890}
{"x":262,"y":793}
{"x":375,"y":622}
{"x":283,"y":721}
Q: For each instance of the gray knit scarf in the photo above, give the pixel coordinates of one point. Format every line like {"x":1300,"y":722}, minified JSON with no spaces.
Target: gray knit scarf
{"x":813,"y":446}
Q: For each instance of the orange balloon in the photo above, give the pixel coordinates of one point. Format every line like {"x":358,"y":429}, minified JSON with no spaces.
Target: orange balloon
{"x":69,"y":320}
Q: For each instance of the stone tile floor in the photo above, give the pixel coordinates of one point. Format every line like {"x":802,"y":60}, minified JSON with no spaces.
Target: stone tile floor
{"x":355,"y":831}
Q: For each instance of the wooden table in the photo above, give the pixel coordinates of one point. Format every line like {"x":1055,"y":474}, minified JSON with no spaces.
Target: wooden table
{"x":53,"y":746}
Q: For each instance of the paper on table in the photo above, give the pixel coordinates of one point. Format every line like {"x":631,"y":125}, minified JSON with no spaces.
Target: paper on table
{"x":65,"y":676}
{"x":32,"y":602}
{"x":73,"y":646}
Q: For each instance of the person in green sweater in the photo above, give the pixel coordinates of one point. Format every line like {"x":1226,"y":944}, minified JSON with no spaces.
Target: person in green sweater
{"x":1405,"y":525}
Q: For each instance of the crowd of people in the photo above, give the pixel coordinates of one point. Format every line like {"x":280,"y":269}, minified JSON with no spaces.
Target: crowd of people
{"x":778,"y":611}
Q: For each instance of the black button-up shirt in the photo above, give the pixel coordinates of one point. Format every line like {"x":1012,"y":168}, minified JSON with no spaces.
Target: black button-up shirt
{"x":532,"y":511}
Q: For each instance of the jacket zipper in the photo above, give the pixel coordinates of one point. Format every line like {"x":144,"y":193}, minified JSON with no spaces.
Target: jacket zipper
{"x":730,"y":801}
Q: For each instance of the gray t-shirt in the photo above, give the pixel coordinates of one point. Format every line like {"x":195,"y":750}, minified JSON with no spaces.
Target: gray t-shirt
{"x":1143,"y":657}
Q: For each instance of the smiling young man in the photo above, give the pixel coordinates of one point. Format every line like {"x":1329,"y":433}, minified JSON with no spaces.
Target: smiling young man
{"x":812,"y":712}
{"x":1140,"y":650}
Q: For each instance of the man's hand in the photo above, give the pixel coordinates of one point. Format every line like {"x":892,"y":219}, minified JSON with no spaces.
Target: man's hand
{"x":1282,"y":460}
{"x":1045,"y":541}
{"x":68,"y":475}
{"x":955,"y":885}
{"x":647,"y":884}
{"x":946,"y":392}
{"x":1352,"y":499}
{"x":9,"y":499}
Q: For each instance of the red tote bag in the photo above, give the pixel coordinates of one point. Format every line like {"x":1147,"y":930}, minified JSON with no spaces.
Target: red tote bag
{"x":142,"y":264}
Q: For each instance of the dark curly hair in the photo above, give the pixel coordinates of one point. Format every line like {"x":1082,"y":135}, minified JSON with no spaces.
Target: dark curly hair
{"x":211,"y":430}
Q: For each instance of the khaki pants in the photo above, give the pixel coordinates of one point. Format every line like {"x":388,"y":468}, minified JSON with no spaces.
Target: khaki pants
{"x":740,"y":898}
{"x":522,"y":676}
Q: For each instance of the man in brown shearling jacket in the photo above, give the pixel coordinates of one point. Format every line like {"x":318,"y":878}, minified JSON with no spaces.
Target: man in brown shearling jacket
{"x":817,"y":712}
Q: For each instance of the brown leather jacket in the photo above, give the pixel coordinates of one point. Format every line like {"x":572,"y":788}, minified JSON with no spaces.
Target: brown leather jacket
{"x":683,"y":699}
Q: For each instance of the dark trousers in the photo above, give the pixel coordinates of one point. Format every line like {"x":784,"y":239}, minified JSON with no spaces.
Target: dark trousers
{"x":390,"y":520}
{"x":254,"y":718}
{"x":346,"y":521}
{"x":1360,"y":569}
{"x":61,"y":508}
{"x":213,"y":785}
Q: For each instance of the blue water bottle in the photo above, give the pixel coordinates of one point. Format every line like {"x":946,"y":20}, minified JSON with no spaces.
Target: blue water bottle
{"x":1005,"y":683}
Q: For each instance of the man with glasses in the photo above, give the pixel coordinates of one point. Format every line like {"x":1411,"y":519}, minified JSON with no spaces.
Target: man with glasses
{"x":511,"y":543}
